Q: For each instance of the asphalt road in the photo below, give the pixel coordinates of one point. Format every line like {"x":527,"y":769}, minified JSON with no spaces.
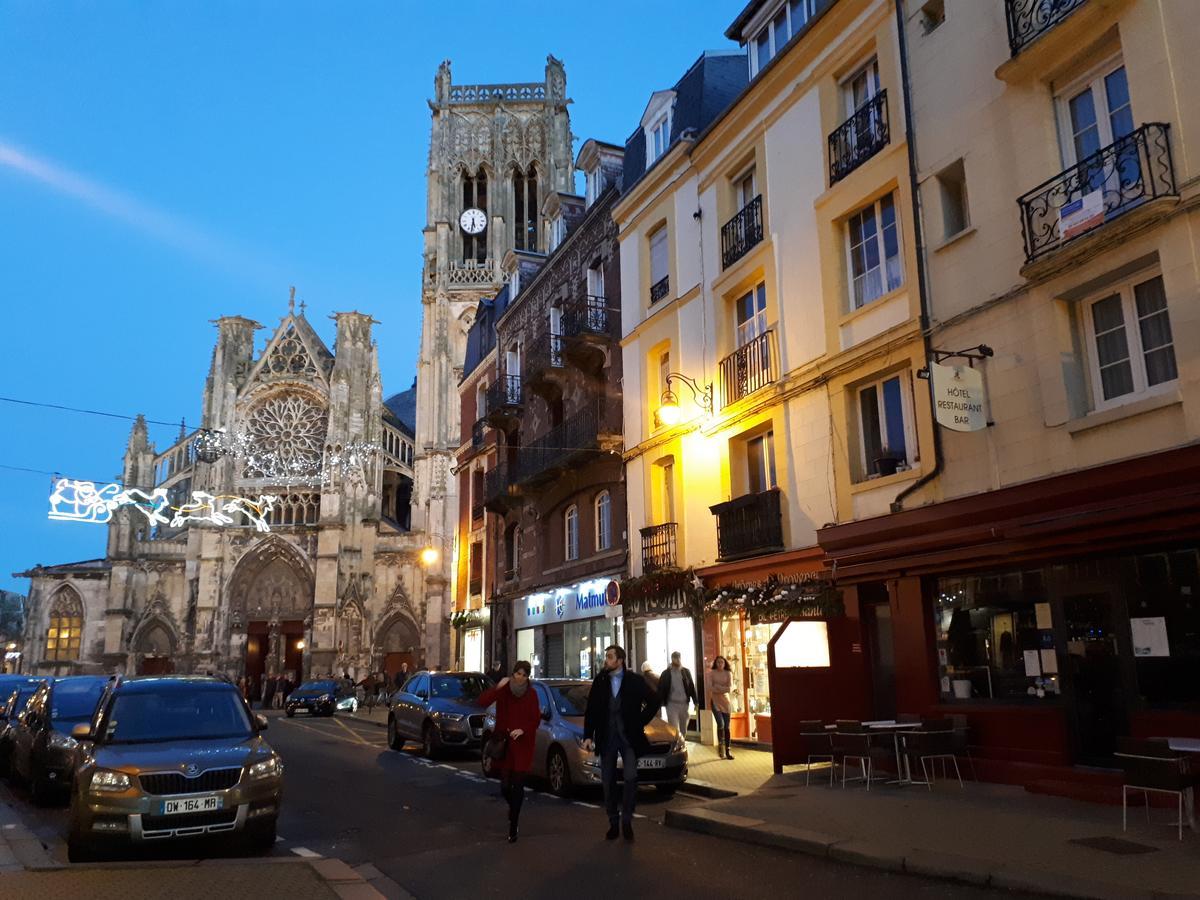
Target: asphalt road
{"x":439,"y":830}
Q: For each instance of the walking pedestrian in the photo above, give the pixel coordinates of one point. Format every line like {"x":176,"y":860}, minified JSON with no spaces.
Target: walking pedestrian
{"x":518,"y":715}
{"x":619,"y":707}
{"x":269,"y":691}
{"x":677,"y":691}
{"x":720,"y":681}
{"x":648,"y":674}
{"x":402,"y":675}
{"x":368,"y":687}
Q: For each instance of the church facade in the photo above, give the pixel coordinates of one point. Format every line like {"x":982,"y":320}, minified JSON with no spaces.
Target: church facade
{"x":332,"y":586}
{"x":496,"y":152}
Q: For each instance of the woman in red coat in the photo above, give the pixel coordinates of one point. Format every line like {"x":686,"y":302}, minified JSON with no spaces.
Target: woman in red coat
{"x":518,"y":715}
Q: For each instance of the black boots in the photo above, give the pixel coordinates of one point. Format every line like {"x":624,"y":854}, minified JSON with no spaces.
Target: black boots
{"x":728,"y":755}
{"x":627,"y":829}
{"x":613,"y":830}
{"x":512,"y":832}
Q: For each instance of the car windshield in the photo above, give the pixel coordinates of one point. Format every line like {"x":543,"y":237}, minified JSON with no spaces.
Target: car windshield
{"x":74,"y":701}
{"x":458,"y":687}
{"x":183,"y":715}
{"x":319,"y":687}
{"x":570,"y":699}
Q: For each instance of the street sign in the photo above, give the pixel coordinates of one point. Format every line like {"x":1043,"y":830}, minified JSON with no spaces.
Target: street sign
{"x":958,"y":397}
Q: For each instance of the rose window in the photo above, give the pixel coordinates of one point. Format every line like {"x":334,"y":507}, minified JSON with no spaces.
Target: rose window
{"x":285,"y":438}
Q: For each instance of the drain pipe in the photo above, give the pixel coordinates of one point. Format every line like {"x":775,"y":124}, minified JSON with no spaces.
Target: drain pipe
{"x":919,"y":241}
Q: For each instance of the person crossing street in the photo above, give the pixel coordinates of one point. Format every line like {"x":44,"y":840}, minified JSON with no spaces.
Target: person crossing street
{"x":517,"y":715}
{"x":676,"y":690}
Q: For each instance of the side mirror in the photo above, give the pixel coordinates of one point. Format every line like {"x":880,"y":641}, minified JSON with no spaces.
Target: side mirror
{"x":546,"y":715}
{"x":82,"y":732}
{"x":260,"y":722}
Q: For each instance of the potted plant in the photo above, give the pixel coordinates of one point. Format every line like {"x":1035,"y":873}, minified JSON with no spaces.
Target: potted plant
{"x":888,"y":461}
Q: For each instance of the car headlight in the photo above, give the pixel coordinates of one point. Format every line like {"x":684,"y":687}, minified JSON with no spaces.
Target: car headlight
{"x":678,"y":745}
{"x":325,"y":698}
{"x":268,"y":768}
{"x":107,"y":780}
{"x":61,"y":741}
{"x":448,"y":717}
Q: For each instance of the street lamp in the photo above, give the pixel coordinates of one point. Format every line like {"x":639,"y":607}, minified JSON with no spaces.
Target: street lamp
{"x":430,"y":556}
{"x":669,"y":411}
{"x":300,"y":645}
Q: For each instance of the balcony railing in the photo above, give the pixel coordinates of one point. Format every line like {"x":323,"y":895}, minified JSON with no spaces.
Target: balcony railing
{"x":1030,"y":19}
{"x":659,"y":289}
{"x":658,"y":547}
{"x":477,"y":511}
{"x":859,"y":138}
{"x":741,"y":233}
{"x":588,"y":315}
{"x":1109,"y":183}
{"x":471,"y":273}
{"x":477,"y":434}
{"x":495,"y":488}
{"x":748,"y":368}
{"x":749,"y":525}
{"x":542,"y":353}
{"x":568,"y":441}
{"x":504,"y":393}
{"x":475,"y":585}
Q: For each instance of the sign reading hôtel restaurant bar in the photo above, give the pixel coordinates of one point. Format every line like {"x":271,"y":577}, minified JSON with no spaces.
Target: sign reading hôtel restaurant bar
{"x":958,"y":397}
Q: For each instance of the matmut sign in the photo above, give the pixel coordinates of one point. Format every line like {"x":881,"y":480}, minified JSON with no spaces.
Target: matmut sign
{"x":585,"y":600}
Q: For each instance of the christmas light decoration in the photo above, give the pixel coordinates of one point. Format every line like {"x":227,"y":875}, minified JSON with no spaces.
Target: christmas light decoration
{"x":271,"y":459}
{"x":81,"y":501}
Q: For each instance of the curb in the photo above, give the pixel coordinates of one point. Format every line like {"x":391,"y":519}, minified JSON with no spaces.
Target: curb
{"x":916,"y":861}
{"x":707,"y":790}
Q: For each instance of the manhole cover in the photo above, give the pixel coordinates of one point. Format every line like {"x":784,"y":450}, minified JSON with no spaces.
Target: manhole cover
{"x":1114,"y":845}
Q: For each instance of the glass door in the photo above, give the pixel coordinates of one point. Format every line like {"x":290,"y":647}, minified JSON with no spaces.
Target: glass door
{"x":731,"y":649}
{"x":758,"y":691}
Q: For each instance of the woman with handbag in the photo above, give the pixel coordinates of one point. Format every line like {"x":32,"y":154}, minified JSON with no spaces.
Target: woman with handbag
{"x":511,"y":745}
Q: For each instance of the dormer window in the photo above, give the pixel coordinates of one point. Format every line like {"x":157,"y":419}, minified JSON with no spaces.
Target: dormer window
{"x":788,"y":20}
{"x":656,"y":141}
{"x":591,"y":186}
{"x":656,"y":125}
{"x":558,"y":231}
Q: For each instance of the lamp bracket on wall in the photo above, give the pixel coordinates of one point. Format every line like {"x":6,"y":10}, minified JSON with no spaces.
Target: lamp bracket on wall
{"x":980,"y":352}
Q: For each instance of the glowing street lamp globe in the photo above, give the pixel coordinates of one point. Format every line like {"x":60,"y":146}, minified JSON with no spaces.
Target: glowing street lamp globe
{"x":430,"y":556}
{"x":669,"y":412}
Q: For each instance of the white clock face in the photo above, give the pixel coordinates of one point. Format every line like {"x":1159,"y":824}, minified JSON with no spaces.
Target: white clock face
{"x":473,"y":221}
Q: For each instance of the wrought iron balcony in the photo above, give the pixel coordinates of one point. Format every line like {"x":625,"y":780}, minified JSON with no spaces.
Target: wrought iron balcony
{"x":658,"y":547}
{"x":543,"y":355}
{"x":588,"y":316}
{"x":659,"y":289}
{"x":475,"y":585}
{"x":748,"y":368}
{"x":477,"y":434}
{"x":750,"y":525}
{"x":504,"y":399}
{"x":741,"y":233}
{"x":576,"y":438}
{"x":498,"y":495}
{"x":1111,"y":182}
{"x":1030,"y":19}
{"x":477,"y":512}
{"x":859,"y":138}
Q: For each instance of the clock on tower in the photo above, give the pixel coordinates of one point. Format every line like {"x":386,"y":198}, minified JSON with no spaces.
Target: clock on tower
{"x":473,"y":221}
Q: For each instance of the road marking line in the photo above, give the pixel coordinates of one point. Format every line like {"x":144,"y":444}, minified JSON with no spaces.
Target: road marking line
{"x":358,"y":737}
{"x":447,"y":766}
{"x":588,"y":805}
{"x":324,"y":732}
{"x":305,"y":852}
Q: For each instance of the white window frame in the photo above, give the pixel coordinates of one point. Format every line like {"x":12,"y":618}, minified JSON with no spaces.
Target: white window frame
{"x":591,"y":181}
{"x":756,"y":325}
{"x":603,"y":507}
{"x":571,"y":533}
{"x":869,"y":67}
{"x":767,"y":439}
{"x":661,"y":233}
{"x":877,"y":207}
{"x":767,"y":24}
{"x":740,"y":195}
{"x":658,"y":138}
{"x":1093,"y":80}
{"x":906,"y":410}
{"x":1133,"y":340}
{"x":595,"y":280}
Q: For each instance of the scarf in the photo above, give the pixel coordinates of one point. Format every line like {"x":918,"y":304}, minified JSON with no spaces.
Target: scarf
{"x":518,"y":692}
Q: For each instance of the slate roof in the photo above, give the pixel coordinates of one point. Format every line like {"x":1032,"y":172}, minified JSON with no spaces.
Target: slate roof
{"x":481,"y":337}
{"x":83,"y":566}
{"x":403,"y":406}
{"x":704,"y":92}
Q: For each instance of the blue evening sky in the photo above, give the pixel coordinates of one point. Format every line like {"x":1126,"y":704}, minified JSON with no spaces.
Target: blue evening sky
{"x":165,"y":163}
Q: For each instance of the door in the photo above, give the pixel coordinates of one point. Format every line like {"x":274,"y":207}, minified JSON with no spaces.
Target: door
{"x":1093,"y":675}
{"x":257,"y":644}
{"x":877,"y":616}
{"x":1094,"y":113}
{"x":541,"y":744}
{"x":408,"y":710}
{"x":291,"y":635}
{"x":23,"y":734}
{"x":156,"y":665}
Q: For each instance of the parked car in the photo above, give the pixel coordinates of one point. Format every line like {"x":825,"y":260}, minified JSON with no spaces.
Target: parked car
{"x":438,"y":709}
{"x":42,"y":747}
{"x":15,"y":691}
{"x":173,"y":757}
{"x":559,"y":756}
{"x":321,"y":698}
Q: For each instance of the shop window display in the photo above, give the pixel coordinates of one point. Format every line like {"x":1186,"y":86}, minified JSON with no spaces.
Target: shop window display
{"x":995,"y":637}
{"x":1165,"y":627}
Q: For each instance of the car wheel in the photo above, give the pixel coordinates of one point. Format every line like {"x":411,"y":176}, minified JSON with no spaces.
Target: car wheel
{"x":393,"y":737}
{"x":558,"y":772}
{"x":79,"y":849}
{"x":486,"y":762}
{"x":262,"y":837}
{"x":289,"y":713}
{"x":667,"y":790}
{"x":430,"y":744}
{"x":41,"y":790}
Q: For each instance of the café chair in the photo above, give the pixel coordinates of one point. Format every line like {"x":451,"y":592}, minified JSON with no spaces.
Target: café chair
{"x":962,"y":741}
{"x":1153,"y":767}
{"x":852,"y":743}
{"x":816,"y":744}
{"x":933,"y":742}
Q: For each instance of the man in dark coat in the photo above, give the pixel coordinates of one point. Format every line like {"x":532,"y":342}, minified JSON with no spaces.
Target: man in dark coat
{"x":676,"y":690}
{"x":620,"y":706}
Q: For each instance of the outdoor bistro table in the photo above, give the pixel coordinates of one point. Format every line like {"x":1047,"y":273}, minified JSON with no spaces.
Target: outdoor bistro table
{"x":1186,"y":745}
{"x":898,"y":730}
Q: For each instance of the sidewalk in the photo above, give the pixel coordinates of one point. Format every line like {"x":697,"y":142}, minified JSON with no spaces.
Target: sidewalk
{"x":984,"y":834}
{"x":708,"y":774}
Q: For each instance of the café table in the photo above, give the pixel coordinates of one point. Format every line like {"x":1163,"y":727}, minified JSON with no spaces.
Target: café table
{"x":898,"y":730}
{"x":1186,"y":745}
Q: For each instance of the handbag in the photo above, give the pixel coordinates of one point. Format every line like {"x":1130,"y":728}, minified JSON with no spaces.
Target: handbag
{"x":496,"y":747}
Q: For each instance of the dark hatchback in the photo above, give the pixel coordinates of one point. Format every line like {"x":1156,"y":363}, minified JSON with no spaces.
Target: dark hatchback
{"x":319,"y":698}
{"x":15,"y":691}
{"x":43,"y":750}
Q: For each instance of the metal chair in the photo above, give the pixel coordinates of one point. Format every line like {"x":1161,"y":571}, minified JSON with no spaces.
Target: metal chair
{"x":816,"y":743}
{"x":962,"y":741}
{"x":935,"y":741}
{"x":1153,"y":767}
{"x":852,"y":741}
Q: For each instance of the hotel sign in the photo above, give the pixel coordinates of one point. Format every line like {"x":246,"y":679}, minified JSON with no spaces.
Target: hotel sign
{"x":585,"y":600}
{"x":958,"y":399}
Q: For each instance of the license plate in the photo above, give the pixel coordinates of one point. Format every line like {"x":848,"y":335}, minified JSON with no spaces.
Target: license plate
{"x":190,"y":805}
{"x":652,"y":762}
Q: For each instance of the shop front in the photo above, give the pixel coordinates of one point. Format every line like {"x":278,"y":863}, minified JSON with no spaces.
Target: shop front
{"x":746,"y":604}
{"x":563,"y":631}
{"x":1055,"y":617}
